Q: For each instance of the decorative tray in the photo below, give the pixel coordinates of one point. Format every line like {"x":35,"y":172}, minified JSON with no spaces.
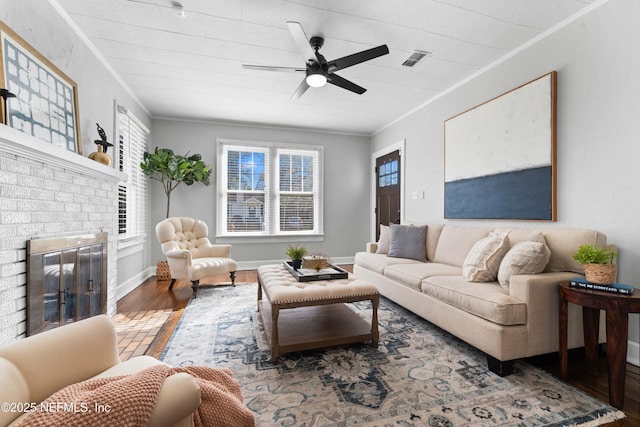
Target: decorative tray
{"x":331,"y":272}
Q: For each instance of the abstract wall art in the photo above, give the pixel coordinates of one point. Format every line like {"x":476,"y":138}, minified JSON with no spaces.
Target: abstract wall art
{"x":500,"y":156}
{"x":45,"y":104}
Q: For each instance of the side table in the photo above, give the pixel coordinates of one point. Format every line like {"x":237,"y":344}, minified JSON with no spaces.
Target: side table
{"x":617,"y":307}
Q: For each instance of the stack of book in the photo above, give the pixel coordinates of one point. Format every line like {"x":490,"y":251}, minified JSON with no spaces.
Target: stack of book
{"x":616,"y":288}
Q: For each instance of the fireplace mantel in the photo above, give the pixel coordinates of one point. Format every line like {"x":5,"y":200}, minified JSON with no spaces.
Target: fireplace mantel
{"x":20,"y":144}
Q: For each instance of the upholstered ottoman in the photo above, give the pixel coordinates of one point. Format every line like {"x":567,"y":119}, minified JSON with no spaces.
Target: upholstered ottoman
{"x":308,"y":315}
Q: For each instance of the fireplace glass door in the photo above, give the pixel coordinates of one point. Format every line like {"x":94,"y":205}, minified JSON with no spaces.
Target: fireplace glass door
{"x":66,"y":280}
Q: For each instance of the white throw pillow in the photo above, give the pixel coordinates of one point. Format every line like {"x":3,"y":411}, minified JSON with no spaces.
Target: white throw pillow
{"x":483,"y":260}
{"x":527,"y":257}
{"x":384,"y":241}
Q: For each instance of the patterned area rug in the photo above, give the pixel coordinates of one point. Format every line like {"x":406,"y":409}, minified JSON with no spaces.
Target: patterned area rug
{"x":418,"y":376}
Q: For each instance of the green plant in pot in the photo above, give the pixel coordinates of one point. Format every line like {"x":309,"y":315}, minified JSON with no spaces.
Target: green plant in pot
{"x":296,"y":253}
{"x":172,"y":170}
{"x":598,"y":264}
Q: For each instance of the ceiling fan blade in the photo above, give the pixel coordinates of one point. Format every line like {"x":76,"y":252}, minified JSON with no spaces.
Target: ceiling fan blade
{"x":300,"y":90}
{"x":356,"y":58}
{"x":335,"y":79}
{"x":269,"y":68}
{"x":302,"y":41}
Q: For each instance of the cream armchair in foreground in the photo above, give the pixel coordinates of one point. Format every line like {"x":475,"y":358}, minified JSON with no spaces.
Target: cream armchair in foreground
{"x":190,"y":254}
{"x":36,"y":367}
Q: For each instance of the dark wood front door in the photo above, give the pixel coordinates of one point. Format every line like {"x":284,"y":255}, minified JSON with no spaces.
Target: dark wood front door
{"x":387,"y":190}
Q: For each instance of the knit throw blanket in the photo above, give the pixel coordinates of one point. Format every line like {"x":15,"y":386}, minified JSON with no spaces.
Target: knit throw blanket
{"x":131,"y":399}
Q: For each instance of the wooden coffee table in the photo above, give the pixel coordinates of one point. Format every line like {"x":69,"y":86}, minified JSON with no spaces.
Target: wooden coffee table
{"x":309,"y":315}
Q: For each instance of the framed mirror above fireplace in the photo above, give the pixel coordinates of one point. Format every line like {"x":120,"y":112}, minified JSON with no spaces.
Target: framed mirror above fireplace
{"x":66,"y":280}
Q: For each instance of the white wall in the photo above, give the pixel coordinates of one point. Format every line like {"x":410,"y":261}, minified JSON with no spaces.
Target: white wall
{"x":346,"y":183}
{"x":598,"y":130}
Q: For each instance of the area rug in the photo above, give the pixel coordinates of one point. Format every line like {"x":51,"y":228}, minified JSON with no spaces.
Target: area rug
{"x":418,"y":376}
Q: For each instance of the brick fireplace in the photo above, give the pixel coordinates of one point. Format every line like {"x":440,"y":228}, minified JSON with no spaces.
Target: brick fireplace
{"x":47,"y":192}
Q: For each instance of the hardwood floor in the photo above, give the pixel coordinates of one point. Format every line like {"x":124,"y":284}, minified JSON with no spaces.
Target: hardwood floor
{"x":153,"y":295}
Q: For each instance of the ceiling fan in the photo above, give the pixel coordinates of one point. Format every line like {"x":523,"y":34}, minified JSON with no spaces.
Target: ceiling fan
{"x":318,"y":70}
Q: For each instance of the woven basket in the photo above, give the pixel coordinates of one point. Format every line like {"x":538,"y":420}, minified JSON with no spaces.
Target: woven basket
{"x":602,"y":274}
{"x":162,"y":271}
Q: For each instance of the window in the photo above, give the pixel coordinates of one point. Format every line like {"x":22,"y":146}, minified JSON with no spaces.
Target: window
{"x":388,"y":173}
{"x":132,"y":194}
{"x":268,"y":189}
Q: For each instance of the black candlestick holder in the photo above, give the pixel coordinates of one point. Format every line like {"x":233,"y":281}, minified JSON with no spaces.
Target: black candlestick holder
{"x":4,"y":94}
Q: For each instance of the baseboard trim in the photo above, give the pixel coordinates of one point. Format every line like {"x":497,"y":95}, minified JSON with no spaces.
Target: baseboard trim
{"x":131,"y":284}
{"x":135,"y":281}
{"x":253,"y":265}
{"x":633,"y":353}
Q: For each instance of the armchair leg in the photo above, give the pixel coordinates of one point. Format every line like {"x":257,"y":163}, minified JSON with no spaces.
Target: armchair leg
{"x":173,"y":282}
{"x":233,"y":278}
{"x":194,"y":286}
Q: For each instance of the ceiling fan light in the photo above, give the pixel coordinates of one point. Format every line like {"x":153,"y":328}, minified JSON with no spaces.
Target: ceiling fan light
{"x":316,"y":80}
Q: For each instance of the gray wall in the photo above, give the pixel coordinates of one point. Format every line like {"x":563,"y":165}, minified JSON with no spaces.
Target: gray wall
{"x":598,"y":127}
{"x":597,"y":140}
{"x":346,"y":181}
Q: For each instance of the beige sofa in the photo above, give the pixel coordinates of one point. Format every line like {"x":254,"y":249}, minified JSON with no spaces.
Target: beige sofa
{"x":34,"y":368}
{"x":504,"y":324}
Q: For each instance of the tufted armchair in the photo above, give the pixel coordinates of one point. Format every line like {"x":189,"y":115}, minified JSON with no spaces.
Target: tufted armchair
{"x":185,"y":243}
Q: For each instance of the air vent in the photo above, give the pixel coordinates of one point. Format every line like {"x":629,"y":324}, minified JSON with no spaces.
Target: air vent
{"x":415,"y":57}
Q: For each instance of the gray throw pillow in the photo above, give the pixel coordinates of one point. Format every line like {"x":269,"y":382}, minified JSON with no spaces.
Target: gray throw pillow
{"x":408,"y":241}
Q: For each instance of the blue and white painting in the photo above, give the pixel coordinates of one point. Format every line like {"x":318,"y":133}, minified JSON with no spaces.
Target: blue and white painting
{"x":499,"y":156}
{"x":45,"y":102}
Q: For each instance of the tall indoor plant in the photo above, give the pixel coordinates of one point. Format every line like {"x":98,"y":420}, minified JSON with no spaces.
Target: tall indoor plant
{"x":172,"y":170}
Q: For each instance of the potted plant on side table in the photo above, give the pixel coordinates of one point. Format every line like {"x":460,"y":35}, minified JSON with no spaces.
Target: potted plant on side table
{"x":296,"y":253}
{"x":598,"y":264}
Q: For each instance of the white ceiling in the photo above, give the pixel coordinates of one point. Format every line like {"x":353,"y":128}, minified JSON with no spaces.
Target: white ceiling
{"x":191,"y":67}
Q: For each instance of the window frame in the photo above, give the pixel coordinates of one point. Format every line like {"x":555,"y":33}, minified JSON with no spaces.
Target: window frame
{"x":272,"y":192}
{"x":132,"y":140}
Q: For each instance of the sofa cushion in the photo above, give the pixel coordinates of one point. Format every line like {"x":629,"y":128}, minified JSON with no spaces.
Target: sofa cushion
{"x":130,"y":366}
{"x":483,"y":260}
{"x":487,"y":300}
{"x":526,"y":257}
{"x":412,"y":274}
{"x":408,"y":241}
{"x":378,"y":262}
{"x":384,"y":241}
{"x":563,"y":243}
{"x":455,"y":243}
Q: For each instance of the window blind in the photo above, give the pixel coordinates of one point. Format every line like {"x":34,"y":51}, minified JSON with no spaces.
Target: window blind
{"x":132,"y":197}
{"x":268,"y":189}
